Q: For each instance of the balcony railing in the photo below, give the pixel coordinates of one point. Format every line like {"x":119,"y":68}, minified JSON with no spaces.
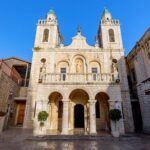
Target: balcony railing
{"x":77,"y":78}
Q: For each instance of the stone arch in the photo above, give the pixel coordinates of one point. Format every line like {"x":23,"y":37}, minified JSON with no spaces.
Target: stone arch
{"x":62,"y":64}
{"x":79,"y":55}
{"x":82,"y":65}
{"x":94,"y":64}
{"x":55,"y":110}
{"x":78,"y":109}
{"x":55,"y":96}
{"x":79,"y":94}
{"x":63,"y":61}
{"x":102,"y":111}
{"x":55,"y":90}
{"x":102,"y":93}
{"x":70,"y":90}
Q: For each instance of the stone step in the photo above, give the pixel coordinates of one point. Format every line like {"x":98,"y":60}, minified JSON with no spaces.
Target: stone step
{"x":82,"y":137}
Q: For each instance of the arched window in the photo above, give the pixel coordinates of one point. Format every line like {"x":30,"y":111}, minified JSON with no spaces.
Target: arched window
{"x":45,"y":35}
{"x":111,"y":35}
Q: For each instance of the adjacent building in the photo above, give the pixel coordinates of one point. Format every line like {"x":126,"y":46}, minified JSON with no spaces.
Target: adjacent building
{"x":78,"y":84}
{"x":138,"y":64}
{"x":14,"y":79}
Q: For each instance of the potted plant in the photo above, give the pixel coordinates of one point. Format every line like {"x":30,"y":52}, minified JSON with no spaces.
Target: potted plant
{"x":42,"y":117}
{"x":2,"y":120}
{"x":115,"y":116}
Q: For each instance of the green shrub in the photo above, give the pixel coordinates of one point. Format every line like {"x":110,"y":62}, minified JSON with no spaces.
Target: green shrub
{"x":115,"y":114}
{"x":42,"y":116}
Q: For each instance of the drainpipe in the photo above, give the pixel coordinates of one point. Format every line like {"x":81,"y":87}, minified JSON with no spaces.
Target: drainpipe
{"x":26,"y":75}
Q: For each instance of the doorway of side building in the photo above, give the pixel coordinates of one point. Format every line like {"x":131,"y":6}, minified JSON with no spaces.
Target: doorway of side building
{"x":137,"y":117}
{"x":79,"y":116}
{"x":20,"y":112}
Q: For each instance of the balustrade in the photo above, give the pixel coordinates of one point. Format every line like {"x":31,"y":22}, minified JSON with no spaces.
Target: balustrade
{"x":78,"y":78}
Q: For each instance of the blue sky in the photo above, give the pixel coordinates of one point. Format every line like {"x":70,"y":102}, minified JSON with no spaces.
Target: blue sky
{"x":18,"y":20}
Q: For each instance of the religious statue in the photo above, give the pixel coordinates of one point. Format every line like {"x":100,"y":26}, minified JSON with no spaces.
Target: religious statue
{"x":79,"y":66}
{"x":115,"y":70}
{"x":42,"y":75}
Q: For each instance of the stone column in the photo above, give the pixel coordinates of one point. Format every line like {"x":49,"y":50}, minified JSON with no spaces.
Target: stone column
{"x":92,"y":116}
{"x":65,"y":123}
{"x":120,"y":124}
{"x":112,"y":106}
{"x":118,"y":105}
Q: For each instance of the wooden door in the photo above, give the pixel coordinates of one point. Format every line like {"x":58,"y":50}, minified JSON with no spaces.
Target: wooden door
{"x":21,"y":111}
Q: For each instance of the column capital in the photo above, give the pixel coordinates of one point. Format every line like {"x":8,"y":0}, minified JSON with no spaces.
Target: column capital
{"x":63,"y":100}
{"x":110,"y":100}
{"x":92,"y":101}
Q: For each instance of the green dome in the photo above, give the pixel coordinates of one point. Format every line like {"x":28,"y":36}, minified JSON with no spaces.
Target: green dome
{"x":106,"y":11}
{"x":51,"y":12}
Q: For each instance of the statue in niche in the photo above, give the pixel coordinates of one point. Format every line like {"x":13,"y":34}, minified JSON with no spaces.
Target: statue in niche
{"x":42,"y":75}
{"x":79,"y":66}
{"x":115,"y":70}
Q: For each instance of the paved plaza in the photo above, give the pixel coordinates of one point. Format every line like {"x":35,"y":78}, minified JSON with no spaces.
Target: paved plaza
{"x":17,"y":139}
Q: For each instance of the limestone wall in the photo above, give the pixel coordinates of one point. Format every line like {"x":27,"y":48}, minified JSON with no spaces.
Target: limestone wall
{"x":7,"y":86}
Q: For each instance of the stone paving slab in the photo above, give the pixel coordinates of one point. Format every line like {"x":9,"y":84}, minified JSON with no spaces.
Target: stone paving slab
{"x":16,"y":139}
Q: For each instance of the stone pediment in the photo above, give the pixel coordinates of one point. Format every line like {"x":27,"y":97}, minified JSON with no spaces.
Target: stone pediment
{"x":79,"y":42}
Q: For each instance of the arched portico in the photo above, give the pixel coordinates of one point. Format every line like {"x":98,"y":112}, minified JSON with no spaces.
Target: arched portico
{"x":78,"y":110}
{"x":55,"y":111}
{"x":102,"y":110}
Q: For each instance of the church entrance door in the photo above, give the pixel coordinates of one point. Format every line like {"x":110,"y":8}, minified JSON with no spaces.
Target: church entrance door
{"x":79,"y":116}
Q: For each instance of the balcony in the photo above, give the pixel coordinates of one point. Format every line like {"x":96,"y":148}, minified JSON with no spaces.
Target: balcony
{"x":77,"y":78}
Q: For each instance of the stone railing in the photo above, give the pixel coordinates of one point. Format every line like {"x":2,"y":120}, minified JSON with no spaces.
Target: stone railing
{"x":42,"y":21}
{"x":77,"y":78}
{"x":110,"y":21}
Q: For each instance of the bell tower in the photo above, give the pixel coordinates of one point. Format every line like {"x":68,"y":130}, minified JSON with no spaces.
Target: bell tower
{"x":47,"y":35}
{"x":109,"y":33}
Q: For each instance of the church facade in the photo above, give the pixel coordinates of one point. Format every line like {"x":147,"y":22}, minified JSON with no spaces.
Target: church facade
{"x":78,"y":84}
